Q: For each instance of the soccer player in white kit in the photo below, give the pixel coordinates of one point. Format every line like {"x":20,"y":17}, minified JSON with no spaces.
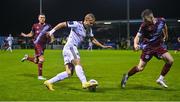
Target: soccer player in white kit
{"x":79,"y":31}
{"x":10,"y":41}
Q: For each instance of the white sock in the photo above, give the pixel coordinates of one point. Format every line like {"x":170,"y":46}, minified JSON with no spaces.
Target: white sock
{"x":58,"y":77}
{"x":80,"y":74}
{"x":161,"y":77}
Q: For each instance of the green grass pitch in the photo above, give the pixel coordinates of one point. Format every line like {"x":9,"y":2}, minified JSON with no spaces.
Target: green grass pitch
{"x":18,"y":81}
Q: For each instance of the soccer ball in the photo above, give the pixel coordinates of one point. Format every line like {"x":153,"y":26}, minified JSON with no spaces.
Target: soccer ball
{"x":93,"y":86}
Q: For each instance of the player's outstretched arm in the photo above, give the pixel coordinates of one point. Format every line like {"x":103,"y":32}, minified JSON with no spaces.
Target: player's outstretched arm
{"x":27,"y":35}
{"x":57,"y":27}
{"x":99,"y":44}
{"x":136,"y":42}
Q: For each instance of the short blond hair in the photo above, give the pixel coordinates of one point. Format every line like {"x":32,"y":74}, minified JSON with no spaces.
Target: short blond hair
{"x":90,"y":15}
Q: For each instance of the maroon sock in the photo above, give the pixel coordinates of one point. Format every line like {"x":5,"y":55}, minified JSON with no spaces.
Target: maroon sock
{"x":133,"y":71}
{"x":31,"y":59}
{"x":40,"y":66}
{"x":166,"y":69}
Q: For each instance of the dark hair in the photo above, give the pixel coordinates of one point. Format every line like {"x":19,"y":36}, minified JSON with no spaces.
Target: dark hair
{"x":146,"y":12}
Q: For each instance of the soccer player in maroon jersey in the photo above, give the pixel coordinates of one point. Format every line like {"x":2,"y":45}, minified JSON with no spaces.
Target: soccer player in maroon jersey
{"x":153,"y":32}
{"x":177,"y":47}
{"x":40,"y":38}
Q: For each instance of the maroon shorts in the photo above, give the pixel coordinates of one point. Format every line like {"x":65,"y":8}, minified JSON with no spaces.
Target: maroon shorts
{"x":157,"y":52}
{"x":39,"y":50}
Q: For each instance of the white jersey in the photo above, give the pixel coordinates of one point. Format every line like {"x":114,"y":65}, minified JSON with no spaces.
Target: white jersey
{"x":78,"y":33}
{"x":10,"y":40}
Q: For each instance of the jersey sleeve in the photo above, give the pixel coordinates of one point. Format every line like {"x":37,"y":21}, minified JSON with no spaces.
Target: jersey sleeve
{"x":140,"y":31}
{"x":72,"y":24}
{"x":163,"y":20}
{"x":50,"y":27}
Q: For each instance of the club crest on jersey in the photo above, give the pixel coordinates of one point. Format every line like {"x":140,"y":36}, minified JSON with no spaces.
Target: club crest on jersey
{"x":37,"y":31}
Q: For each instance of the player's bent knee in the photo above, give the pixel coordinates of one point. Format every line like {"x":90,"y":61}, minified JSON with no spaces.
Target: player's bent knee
{"x":41,"y":60}
{"x":140,"y":69}
{"x":70,"y":69}
{"x":76,"y":62}
{"x":171,"y":61}
{"x":69,"y":73}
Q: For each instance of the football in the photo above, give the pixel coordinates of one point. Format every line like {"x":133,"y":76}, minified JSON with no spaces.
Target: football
{"x":93,"y":86}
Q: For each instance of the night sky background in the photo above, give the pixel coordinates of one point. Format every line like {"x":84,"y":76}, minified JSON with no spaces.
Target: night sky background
{"x":18,"y":15}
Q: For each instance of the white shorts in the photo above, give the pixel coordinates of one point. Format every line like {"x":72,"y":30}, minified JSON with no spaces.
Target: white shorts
{"x":70,"y":53}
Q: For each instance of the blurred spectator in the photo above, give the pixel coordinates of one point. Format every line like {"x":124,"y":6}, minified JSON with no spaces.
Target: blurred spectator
{"x":10,"y":41}
{"x":4,"y":45}
{"x":177,"y":45}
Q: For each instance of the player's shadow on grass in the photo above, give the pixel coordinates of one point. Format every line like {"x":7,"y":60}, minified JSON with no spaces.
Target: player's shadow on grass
{"x":29,"y":75}
{"x":76,"y":86}
{"x":66,"y":85}
{"x":98,"y":89}
{"x":143,"y":87}
{"x":106,"y":89}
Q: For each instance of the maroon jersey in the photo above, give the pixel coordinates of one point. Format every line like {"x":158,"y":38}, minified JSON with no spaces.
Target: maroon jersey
{"x":39,"y":31}
{"x":152,"y":34}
